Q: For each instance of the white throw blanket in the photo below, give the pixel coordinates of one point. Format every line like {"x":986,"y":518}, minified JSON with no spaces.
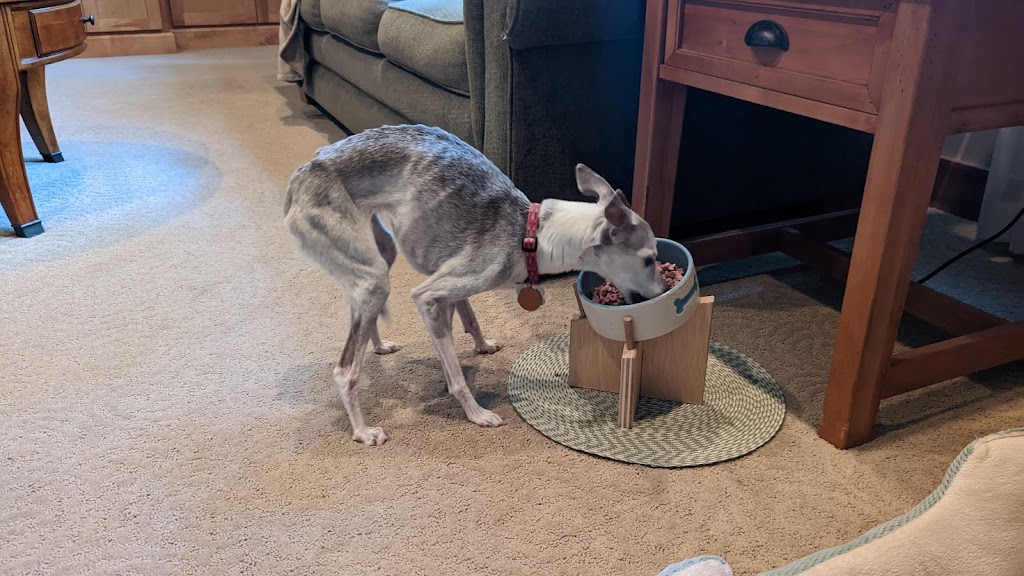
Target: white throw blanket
{"x":291,"y":63}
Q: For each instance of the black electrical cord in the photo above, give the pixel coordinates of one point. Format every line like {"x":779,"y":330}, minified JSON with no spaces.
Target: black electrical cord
{"x":1006,"y":228}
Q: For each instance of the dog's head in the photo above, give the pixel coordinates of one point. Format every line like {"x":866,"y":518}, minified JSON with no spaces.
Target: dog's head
{"x":625,"y":248}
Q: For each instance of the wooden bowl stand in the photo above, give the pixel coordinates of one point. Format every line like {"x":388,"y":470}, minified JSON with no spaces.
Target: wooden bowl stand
{"x":670,"y":367}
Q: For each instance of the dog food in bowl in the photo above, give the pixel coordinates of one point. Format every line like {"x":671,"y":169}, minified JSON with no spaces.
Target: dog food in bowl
{"x":651,"y":318}
{"x":608,"y":295}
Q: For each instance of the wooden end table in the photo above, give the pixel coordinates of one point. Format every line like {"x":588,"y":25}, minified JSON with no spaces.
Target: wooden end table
{"x":35,"y":33}
{"x":911,"y":72}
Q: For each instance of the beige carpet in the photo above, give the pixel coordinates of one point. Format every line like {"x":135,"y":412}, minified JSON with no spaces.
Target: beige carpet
{"x":166,"y":404}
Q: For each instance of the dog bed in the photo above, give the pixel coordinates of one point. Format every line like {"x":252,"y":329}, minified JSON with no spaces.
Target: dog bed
{"x":971,"y":525}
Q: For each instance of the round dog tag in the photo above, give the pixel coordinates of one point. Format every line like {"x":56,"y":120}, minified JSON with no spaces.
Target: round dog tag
{"x":530,"y":298}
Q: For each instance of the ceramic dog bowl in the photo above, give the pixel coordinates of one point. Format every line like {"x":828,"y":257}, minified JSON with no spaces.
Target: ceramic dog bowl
{"x":653,"y":318}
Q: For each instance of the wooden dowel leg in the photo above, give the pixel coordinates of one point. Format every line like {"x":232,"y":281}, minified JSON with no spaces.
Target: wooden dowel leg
{"x":628,"y":328}
{"x":629,"y":385}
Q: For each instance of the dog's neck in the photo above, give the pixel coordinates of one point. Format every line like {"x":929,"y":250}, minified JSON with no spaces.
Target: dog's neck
{"x":567,"y":230}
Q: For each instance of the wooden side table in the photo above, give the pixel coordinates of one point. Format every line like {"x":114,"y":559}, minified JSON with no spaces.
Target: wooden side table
{"x":35,"y":34}
{"x":909,"y":71}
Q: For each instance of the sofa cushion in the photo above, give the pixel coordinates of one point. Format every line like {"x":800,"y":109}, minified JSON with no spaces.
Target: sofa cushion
{"x":428,"y":38}
{"x":405,"y":93}
{"x":355,"y":21}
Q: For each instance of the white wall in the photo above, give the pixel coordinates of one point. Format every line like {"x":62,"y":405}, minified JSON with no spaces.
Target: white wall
{"x":974,"y":148}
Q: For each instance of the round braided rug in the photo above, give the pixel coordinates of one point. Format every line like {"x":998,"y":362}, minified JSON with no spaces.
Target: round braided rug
{"x":743,"y":408}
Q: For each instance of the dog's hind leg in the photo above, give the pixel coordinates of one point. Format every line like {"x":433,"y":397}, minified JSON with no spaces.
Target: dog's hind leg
{"x":366,"y":302}
{"x":382,"y":347}
{"x":472,"y":327}
{"x":436,"y":299}
{"x":386,"y":246}
{"x":341,"y":244}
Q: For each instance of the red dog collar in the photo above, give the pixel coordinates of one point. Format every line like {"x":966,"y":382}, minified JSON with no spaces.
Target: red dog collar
{"x":530,"y":243}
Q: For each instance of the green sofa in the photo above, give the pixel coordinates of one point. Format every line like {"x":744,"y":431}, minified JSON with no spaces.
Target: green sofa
{"x":537,"y":85}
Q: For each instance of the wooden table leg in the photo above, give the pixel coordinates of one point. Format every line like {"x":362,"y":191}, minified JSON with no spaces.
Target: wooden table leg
{"x":912,"y":126}
{"x":36,"y":112}
{"x":15,"y":195}
{"x":659,"y":129}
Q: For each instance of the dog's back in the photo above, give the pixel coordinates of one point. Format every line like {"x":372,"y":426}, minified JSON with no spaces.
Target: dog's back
{"x":438,"y":193}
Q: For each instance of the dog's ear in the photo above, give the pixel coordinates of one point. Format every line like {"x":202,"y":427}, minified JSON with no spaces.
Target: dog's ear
{"x":617,"y":213}
{"x":622,"y":196}
{"x":592,"y":184}
{"x":619,"y":221}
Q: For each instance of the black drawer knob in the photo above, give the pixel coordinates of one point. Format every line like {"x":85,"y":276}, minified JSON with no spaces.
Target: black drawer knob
{"x":90,"y":19}
{"x":767,"y":34}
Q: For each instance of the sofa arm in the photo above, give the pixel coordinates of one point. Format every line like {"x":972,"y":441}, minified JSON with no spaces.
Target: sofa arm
{"x":538,"y":23}
{"x":539,"y":112}
{"x":499,"y":32}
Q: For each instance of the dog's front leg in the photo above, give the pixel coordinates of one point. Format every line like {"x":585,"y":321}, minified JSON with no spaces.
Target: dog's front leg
{"x":437,"y":315}
{"x":472,"y":327}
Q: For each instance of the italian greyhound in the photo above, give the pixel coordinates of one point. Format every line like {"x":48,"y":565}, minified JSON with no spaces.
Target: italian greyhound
{"x":459,"y":220}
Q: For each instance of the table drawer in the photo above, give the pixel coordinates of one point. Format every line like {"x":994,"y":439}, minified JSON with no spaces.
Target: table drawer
{"x":45,"y":30}
{"x":57,"y":28}
{"x":830,"y":52}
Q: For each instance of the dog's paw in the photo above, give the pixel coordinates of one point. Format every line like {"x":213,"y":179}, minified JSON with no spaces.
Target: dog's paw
{"x":489,"y":347}
{"x":370,"y":436}
{"x":386,"y":347}
{"x":485,"y":418}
